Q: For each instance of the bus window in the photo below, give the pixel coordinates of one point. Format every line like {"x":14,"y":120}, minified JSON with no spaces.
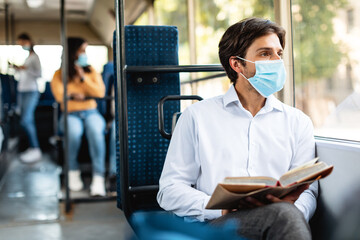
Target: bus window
{"x":326,"y":67}
{"x":207,"y":31}
{"x":50,"y":59}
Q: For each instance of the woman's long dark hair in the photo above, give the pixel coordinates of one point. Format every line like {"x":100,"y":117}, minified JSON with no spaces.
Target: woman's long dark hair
{"x":74,"y":43}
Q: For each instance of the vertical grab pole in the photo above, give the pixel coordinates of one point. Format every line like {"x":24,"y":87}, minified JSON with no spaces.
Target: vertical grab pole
{"x":122,"y":104}
{"x":7,"y":24}
{"x":64,"y":75}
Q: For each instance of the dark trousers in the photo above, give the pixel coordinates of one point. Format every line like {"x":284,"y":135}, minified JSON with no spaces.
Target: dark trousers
{"x":273,"y":221}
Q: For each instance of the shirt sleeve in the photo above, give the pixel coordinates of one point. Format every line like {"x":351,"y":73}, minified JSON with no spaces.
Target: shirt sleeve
{"x":180,"y":173}
{"x":33,"y":68}
{"x":305,"y":151}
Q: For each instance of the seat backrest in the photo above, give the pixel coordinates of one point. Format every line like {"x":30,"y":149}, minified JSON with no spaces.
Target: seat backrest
{"x":8,"y":89}
{"x":339,"y":192}
{"x":46,"y":98}
{"x":146,"y":46}
{"x":108,"y":78}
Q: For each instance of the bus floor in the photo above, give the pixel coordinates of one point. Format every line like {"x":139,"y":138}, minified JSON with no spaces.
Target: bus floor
{"x":30,"y":208}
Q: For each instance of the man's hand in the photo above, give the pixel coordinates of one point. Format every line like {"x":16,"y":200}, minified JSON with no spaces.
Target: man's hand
{"x":226,"y":211}
{"x":290,"y":198}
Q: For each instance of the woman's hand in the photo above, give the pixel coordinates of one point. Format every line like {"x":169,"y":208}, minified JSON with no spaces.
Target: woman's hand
{"x":79,"y":71}
{"x":77,"y":96}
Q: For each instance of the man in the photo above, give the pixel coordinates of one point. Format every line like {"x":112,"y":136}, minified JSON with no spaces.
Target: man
{"x":246,"y":132}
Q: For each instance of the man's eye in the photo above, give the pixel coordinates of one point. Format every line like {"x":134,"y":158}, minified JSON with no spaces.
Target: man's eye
{"x":280,"y":54}
{"x":264,"y":54}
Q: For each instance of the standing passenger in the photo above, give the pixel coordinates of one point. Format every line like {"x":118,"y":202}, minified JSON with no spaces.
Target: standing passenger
{"x":28,"y":97}
{"x":83,"y":82}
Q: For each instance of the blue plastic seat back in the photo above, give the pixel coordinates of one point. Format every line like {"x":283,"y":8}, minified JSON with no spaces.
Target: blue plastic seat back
{"x":46,"y":98}
{"x":146,"y":46}
{"x":8,"y":92}
{"x":108,"y":78}
{"x":7,"y":89}
{"x":163,"y":226}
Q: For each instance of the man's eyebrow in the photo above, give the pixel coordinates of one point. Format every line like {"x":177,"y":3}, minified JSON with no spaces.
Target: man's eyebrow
{"x":266,"y":49}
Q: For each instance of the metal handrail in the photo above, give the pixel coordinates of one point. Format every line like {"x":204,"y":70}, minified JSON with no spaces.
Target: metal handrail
{"x":204,"y":78}
{"x":161,"y":123}
{"x":174,"y":68}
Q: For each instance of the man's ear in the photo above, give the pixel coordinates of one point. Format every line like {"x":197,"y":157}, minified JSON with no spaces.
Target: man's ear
{"x":236,"y":65}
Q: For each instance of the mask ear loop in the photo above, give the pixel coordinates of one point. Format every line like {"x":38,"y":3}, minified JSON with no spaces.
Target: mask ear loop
{"x":247,"y":61}
{"x":244,"y":76}
{"x":244,"y":59}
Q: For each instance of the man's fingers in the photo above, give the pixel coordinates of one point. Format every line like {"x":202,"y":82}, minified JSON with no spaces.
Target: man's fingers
{"x":226,"y":211}
{"x":296,"y":193}
{"x":273,"y":199}
{"x":254,"y":202}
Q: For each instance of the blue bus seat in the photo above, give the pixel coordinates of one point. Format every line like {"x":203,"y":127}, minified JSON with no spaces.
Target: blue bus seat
{"x":147,"y":46}
{"x":164,"y":225}
{"x":8,"y":94}
{"x":107,"y":75}
{"x":46,"y":98}
{"x":46,"y":117}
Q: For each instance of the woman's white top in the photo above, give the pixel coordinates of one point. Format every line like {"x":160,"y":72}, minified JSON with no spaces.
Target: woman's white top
{"x":28,"y":77}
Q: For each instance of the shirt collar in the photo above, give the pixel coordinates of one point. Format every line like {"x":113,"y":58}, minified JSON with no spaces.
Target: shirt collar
{"x":230,"y":96}
{"x":271,"y":102}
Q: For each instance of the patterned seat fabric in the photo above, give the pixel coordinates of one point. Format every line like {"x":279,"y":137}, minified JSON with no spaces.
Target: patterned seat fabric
{"x":147,"y":46}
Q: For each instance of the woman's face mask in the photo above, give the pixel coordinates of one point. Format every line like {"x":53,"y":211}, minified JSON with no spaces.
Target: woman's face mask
{"x":26,"y":47}
{"x":82,"y":60}
{"x":269,"y":77}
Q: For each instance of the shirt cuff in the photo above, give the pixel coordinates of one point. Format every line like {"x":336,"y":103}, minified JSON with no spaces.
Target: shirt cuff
{"x":209,"y":214}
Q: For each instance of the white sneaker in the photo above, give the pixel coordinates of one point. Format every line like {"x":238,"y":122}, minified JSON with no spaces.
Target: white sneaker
{"x":75,"y":182}
{"x":31,"y":155}
{"x":97,"y":187}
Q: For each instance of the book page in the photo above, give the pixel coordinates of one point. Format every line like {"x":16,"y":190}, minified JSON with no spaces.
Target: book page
{"x":224,"y":199}
{"x":309,"y":163}
{"x":247,"y":184}
{"x":303,"y":174}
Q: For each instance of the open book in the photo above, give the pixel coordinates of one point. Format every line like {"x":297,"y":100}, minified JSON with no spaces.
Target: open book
{"x":228,"y":194}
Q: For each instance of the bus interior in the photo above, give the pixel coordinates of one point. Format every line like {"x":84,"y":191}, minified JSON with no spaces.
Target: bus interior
{"x":156,"y":58}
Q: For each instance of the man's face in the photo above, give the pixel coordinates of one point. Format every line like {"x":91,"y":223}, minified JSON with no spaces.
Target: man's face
{"x":267,"y":47}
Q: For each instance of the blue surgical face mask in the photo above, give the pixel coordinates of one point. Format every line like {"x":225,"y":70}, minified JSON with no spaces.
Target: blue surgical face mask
{"x":269,"y":77}
{"x":26,"y":47}
{"x":82,"y":60}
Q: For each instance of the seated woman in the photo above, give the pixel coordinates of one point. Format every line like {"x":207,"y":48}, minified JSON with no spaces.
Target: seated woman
{"x":83,"y":82}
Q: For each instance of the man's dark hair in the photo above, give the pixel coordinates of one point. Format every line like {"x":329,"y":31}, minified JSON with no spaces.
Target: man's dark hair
{"x":238,"y":38}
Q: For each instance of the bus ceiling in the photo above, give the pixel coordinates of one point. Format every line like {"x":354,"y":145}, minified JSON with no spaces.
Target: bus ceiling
{"x":92,"y":19}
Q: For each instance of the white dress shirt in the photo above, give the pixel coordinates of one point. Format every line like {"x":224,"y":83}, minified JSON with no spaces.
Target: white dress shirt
{"x":29,"y":76}
{"x":218,"y":138}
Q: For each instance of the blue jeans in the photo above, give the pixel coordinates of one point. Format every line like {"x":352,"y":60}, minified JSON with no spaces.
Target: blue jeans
{"x":94,"y":125}
{"x":28,"y":102}
{"x":112,"y":151}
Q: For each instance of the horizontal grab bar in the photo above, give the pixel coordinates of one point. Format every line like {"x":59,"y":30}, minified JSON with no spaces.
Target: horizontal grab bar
{"x":175,"y":68}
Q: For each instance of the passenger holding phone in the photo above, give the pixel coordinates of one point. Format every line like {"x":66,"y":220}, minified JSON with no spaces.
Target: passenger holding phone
{"x":28,"y":96}
{"x":83,"y":84}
